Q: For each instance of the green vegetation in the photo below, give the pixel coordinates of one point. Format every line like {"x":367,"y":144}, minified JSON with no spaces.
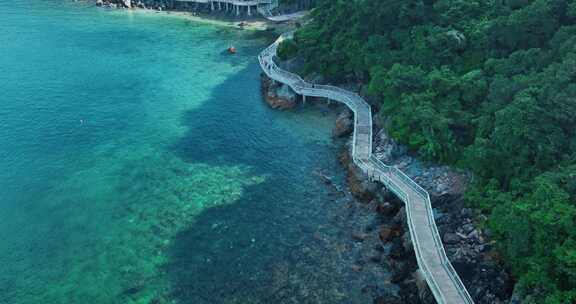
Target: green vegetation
{"x":287,"y":49}
{"x":485,"y":85}
{"x":302,"y":3}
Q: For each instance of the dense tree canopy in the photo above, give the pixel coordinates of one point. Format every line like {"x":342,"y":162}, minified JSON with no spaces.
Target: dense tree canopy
{"x":488,"y":85}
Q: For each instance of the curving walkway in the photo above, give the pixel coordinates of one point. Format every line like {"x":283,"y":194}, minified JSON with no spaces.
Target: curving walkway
{"x":441,"y":277}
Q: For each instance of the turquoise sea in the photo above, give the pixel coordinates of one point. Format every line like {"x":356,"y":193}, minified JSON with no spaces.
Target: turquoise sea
{"x":139,"y":164}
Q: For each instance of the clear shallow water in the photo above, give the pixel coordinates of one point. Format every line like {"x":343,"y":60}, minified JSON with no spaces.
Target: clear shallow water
{"x":138,"y":164}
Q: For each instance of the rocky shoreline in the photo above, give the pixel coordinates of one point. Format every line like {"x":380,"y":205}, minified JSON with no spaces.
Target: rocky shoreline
{"x":467,"y":245}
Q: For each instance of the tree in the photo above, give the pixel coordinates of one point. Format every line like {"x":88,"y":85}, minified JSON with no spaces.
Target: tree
{"x":486,"y":85}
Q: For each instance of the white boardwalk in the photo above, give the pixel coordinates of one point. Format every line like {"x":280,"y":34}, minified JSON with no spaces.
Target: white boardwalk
{"x":441,"y":277}
{"x":286,"y":17}
{"x":264,"y":7}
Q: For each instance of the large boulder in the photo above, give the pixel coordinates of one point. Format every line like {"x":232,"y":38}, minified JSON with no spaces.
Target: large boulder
{"x":387,"y":209}
{"x":286,"y":93}
{"x":386,"y":233}
{"x":344,"y":125}
{"x":358,"y":182}
{"x":278,"y":96}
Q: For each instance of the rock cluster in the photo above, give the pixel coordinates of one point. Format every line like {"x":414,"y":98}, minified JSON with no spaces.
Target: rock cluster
{"x":344,"y":124}
{"x":278,"y":96}
{"x":467,"y":246}
{"x":471,"y":252}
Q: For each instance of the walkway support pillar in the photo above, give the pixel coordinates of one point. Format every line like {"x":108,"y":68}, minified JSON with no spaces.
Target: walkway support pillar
{"x":249,"y":13}
{"x":212,"y":5}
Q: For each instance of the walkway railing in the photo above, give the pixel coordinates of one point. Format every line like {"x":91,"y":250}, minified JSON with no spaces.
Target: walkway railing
{"x":264,"y":7}
{"x":441,"y":277}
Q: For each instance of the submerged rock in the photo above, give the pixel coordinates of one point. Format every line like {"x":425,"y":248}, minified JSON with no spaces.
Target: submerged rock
{"x":359,"y":236}
{"x":387,"y":209}
{"x":386,"y":234}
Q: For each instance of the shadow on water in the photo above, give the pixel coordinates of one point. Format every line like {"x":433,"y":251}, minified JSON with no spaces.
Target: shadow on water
{"x":269,"y":247}
{"x":286,"y":240}
{"x":234,"y":126}
{"x":243,"y":253}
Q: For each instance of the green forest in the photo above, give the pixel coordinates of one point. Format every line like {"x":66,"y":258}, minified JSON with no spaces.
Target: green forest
{"x":484,"y":85}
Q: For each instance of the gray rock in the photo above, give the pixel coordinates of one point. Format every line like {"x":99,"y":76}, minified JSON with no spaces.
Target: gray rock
{"x":467,"y":212}
{"x":369,"y":186}
{"x":474,"y":235}
{"x":407,"y":242}
{"x":400,"y":218}
{"x":359,"y":236}
{"x":386,"y":209}
{"x":285,"y":92}
{"x":458,"y":39}
{"x":451,"y":238}
{"x":441,"y":187}
{"x":344,"y":126}
{"x":468,"y":228}
{"x":386,"y":234}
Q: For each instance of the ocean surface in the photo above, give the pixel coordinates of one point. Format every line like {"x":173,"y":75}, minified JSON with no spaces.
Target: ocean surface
{"x":139,"y":164}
